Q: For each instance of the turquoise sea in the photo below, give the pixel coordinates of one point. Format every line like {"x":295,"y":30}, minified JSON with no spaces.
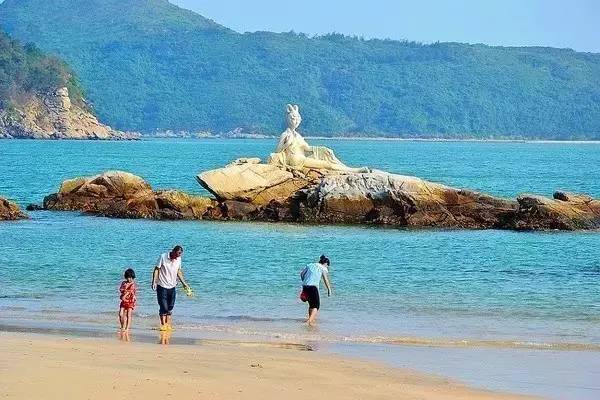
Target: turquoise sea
{"x":404,"y":291}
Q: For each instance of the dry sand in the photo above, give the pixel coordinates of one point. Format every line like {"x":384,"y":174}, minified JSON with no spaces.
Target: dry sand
{"x":57,"y":367}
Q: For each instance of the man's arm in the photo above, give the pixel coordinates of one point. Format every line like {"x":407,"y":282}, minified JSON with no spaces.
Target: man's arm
{"x":154,"y":277}
{"x":327,"y":284}
{"x":180,"y":276}
{"x":155,"y":272}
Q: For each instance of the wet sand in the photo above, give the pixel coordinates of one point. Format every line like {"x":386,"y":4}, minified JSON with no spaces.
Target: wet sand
{"x":59,"y":366}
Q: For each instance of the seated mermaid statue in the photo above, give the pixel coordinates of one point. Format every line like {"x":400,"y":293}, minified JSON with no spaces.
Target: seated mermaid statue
{"x":293,"y":151}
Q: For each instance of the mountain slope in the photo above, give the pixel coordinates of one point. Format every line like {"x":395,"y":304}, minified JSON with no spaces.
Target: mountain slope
{"x":147,"y":64}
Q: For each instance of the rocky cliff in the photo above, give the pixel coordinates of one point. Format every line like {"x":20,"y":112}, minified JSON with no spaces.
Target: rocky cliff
{"x":40,"y":97}
{"x":52,"y":115}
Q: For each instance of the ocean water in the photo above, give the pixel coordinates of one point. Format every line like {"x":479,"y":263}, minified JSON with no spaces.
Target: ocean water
{"x":454,"y":289}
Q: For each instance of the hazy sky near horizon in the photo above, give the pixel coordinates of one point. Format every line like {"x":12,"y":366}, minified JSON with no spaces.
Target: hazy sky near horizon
{"x":557,"y":23}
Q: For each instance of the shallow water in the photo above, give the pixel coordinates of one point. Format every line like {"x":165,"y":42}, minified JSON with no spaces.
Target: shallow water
{"x":443,"y":288}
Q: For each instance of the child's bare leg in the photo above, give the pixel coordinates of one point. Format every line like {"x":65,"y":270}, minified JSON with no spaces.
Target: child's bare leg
{"x":122,"y":317}
{"x":129,"y":316}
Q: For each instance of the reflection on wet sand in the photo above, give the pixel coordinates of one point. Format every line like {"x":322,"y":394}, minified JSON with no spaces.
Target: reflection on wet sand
{"x":164,"y":337}
{"x":124,"y":336}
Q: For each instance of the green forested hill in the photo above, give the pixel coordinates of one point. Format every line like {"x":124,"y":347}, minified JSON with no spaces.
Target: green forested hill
{"x":147,"y":64}
{"x":25,"y":70}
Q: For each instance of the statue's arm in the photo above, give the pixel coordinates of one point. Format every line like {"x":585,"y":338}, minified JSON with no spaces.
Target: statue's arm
{"x":305,"y":146}
{"x":283,"y":144}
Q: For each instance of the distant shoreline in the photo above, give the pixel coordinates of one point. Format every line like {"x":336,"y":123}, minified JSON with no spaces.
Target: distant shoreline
{"x":380,"y":138}
{"x":341,"y":138}
{"x":452,"y":140}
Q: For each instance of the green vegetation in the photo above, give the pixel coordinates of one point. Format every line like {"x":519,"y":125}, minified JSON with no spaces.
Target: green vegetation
{"x":26,"y":70}
{"x":147,"y":65}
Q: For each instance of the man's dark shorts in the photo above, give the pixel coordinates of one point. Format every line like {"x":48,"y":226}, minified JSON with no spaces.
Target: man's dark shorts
{"x":166,"y":300}
{"x":314,"y":300}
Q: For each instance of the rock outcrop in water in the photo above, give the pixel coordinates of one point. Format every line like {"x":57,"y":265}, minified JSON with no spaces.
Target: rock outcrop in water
{"x":256,"y":192}
{"x":387,"y":199}
{"x":9,"y":211}
{"x":565,"y":211}
{"x":358,"y":198}
{"x":124,"y":195}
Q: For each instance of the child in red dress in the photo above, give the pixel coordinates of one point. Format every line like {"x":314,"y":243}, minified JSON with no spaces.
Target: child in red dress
{"x":128,"y":299}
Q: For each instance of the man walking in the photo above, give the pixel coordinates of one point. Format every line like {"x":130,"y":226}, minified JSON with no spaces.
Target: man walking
{"x":164,"y":279}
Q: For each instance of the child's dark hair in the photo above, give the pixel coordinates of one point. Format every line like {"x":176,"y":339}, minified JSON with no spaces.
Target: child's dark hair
{"x":129,"y":273}
{"x":324,"y":260}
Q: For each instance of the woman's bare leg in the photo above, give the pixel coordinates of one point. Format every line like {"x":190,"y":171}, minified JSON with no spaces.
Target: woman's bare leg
{"x":312,"y":316}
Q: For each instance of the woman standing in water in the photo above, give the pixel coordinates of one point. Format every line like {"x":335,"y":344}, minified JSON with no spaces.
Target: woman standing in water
{"x":311,"y":277}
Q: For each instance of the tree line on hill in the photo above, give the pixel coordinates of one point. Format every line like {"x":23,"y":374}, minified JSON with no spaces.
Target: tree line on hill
{"x":148,"y":65}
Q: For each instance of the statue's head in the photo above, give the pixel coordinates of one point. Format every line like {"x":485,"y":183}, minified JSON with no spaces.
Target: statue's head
{"x":293,"y":116}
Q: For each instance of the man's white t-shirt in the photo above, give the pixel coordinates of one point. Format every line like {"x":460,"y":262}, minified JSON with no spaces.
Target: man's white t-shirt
{"x":167,"y":271}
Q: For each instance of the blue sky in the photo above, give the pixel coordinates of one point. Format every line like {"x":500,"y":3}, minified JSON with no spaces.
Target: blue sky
{"x":557,"y":23}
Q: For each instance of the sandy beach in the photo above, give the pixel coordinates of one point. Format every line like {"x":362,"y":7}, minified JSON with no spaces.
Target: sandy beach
{"x":52,"y":367}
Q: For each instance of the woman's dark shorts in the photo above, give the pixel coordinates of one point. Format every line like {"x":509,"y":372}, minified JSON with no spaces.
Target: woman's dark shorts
{"x":166,"y":300}
{"x":314,"y":301}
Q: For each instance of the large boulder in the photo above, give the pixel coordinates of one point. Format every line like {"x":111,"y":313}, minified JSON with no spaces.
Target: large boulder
{"x":99,"y":193}
{"x":108,"y":184}
{"x":9,"y":211}
{"x":124,"y":195}
{"x":250,"y":182}
{"x":173,"y":204}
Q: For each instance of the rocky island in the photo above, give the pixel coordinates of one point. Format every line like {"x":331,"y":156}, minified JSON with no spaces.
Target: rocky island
{"x":306,"y":184}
